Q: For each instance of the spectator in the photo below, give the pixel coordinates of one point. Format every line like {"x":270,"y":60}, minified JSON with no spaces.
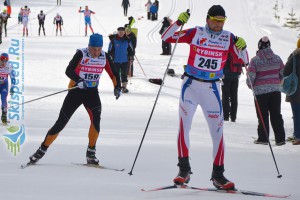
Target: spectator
{"x":265,"y":74}
{"x":295,"y":98}
{"x":4,"y":17}
{"x":166,"y":47}
{"x":232,"y":72}
{"x":148,"y":6}
{"x":153,"y":11}
{"x":125,"y":4}
{"x":120,"y":50}
{"x":132,"y":38}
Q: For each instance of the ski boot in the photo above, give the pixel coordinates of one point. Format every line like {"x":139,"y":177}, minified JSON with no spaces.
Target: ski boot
{"x":219,"y":180}
{"x":183,"y":176}
{"x":4,"y":115}
{"x":44,"y":33}
{"x":124,"y":87}
{"x":38,"y":154}
{"x":91,"y":156}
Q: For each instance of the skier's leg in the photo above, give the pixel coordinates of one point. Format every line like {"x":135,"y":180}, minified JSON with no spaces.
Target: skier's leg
{"x":211,"y":105}
{"x":187,"y":107}
{"x":92,"y":104}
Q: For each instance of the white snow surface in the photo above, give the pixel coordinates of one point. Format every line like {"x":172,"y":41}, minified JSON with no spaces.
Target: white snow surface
{"x":123,"y":122}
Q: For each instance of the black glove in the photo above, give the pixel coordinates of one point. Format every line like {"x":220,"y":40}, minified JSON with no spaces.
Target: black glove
{"x":117,"y":92}
{"x":81,"y":84}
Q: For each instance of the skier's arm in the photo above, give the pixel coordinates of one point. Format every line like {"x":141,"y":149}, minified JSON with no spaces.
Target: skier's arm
{"x":70,"y":71}
{"x":12,"y":76}
{"x":92,"y":12}
{"x":113,"y":74}
{"x":170,"y":35}
{"x":239,"y":53}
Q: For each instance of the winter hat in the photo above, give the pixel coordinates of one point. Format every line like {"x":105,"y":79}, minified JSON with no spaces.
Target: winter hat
{"x":96,"y":40}
{"x":121,"y":29}
{"x":264,"y":42}
{"x":128,"y":29}
{"x":216,"y":10}
{"x":298,"y":43}
{"x":4,"y":56}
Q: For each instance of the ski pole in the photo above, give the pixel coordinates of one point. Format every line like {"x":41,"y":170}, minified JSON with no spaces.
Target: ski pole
{"x":69,"y":89}
{"x":263,"y":123}
{"x":99,"y":24}
{"x":130,"y":173}
{"x":140,"y":65}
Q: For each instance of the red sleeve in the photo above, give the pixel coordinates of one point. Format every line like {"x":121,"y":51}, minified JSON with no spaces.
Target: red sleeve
{"x":186,"y":36}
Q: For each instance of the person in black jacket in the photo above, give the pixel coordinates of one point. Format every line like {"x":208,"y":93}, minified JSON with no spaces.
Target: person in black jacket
{"x":232,"y":72}
{"x":41,"y":17}
{"x":84,"y":71}
{"x":166,"y":47}
{"x":132,"y":38}
{"x":125,"y":4}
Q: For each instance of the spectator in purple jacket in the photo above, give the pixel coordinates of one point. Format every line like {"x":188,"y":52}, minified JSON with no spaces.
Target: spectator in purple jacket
{"x":265,"y":74}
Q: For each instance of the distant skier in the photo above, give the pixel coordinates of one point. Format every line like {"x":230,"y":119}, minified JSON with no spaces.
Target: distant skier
{"x":125,"y":5}
{"x":87,"y":18}
{"x":41,"y":17}
{"x":58,"y":20}
{"x":4,"y":15}
{"x":5,"y":70}
{"x":148,"y":6}
{"x":25,"y":18}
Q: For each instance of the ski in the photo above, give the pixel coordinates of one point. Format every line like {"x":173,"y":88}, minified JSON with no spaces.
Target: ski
{"x":237,"y":191}
{"x":98,"y":167}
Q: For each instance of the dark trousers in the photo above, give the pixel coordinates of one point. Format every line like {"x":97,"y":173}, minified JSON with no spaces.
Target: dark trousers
{"x":123,"y":67}
{"x":125,"y":10}
{"x":41,"y":25}
{"x":148,"y":15}
{"x":166,"y":48}
{"x":91,"y":101}
{"x":230,"y":98}
{"x":296,"y":119}
{"x":270,"y":104}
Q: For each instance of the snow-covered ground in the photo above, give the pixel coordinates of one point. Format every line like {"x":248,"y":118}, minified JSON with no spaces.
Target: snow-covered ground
{"x":123,"y":121}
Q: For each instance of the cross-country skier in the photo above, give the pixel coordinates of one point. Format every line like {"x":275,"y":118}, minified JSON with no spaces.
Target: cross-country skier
{"x":209,"y":46}
{"x":87,"y":18}
{"x":25,"y":18}
{"x":41,"y":17}
{"x":84,"y":70}
{"x":5,"y":71}
{"x":58,"y":20}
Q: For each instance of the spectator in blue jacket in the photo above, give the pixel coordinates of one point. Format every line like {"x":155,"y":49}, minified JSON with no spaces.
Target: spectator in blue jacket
{"x":121,"y":51}
{"x":153,"y":11}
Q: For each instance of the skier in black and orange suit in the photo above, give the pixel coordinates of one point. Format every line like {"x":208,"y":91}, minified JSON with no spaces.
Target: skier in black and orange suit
{"x":84,"y":70}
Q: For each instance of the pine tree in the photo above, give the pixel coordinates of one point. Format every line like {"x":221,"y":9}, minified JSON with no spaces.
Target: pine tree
{"x":292,"y":21}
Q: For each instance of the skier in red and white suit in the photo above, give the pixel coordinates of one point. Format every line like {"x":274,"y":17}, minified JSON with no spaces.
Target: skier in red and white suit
{"x":209,"y":47}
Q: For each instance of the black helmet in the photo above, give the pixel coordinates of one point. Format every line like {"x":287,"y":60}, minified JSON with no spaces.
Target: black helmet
{"x":41,"y":11}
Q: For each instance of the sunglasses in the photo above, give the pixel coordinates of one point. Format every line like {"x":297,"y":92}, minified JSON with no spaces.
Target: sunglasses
{"x":217,"y":19}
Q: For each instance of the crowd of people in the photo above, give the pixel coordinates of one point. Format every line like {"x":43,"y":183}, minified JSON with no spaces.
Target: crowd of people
{"x":215,"y":74}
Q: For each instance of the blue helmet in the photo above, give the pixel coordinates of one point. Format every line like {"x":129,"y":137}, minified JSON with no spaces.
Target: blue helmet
{"x":4,"y":56}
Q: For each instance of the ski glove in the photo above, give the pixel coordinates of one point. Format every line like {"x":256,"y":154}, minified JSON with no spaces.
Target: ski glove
{"x":117,"y":92}
{"x":240,"y":43}
{"x":183,"y":18}
{"x":81,"y":84}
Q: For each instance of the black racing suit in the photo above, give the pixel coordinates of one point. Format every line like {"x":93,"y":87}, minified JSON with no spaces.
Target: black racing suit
{"x":88,"y":97}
